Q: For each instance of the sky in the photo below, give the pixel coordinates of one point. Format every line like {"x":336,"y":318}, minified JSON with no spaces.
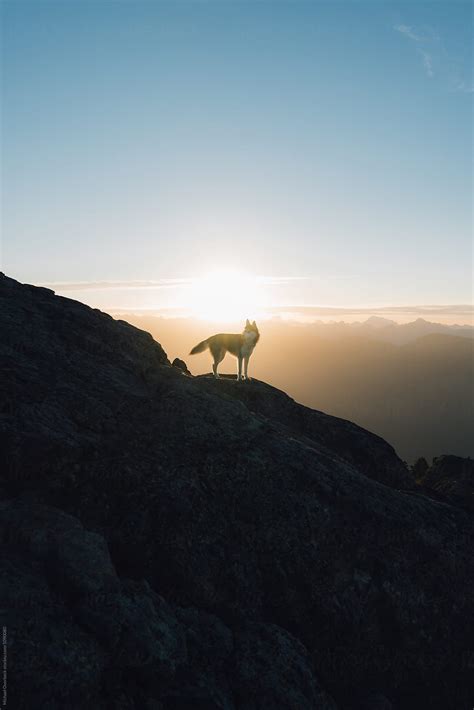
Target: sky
{"x":158,"y":155}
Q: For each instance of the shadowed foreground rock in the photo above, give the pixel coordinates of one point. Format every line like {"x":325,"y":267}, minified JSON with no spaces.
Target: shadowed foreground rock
{"x":261,"y":555}
{"x":78,"y":635}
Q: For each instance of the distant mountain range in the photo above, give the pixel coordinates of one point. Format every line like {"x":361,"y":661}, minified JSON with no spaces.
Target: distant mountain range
{"x":389,"y":331}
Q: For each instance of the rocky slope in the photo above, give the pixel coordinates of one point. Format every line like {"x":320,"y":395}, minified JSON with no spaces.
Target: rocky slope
{"x":175,"y":542}
{"x":451,"y":478}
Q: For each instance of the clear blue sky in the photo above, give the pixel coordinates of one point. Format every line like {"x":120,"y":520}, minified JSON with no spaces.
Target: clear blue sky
{"x":161,"y":140}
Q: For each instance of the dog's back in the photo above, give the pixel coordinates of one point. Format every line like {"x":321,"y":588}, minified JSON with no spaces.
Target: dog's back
{"x":229,"y":342}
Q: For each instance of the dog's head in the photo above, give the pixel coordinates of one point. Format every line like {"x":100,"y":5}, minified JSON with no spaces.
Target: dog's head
{"x":251,"y":328}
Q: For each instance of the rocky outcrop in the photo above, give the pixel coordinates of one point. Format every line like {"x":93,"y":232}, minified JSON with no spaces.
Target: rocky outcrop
{"x":282,"y":563}
{"x":181,"y":365}
{"x":452,"y":479}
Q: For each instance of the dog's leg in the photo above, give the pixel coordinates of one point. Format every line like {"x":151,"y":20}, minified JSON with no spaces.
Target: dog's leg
{"x":246,"y":366}
{"x":218,"y":356}
{"x":239,"y":376}
{"x":215,"y":366}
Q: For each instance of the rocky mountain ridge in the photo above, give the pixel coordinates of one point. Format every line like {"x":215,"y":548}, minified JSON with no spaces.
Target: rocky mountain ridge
{"x":178,"y":542}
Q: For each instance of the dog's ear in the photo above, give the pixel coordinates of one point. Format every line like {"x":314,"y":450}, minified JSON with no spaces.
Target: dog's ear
{"x":247,"y":323}
{"x":254,"y":324}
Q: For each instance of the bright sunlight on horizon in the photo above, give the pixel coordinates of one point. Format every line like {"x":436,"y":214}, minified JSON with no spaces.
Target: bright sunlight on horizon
{"x":230,"y":296}
{"x":226,"y":160}
{"x":227,"y":295}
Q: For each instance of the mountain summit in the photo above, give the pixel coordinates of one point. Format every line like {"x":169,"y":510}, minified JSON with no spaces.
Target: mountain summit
{"x":176,"y":542}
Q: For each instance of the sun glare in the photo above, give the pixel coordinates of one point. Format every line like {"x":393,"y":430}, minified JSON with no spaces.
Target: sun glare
{"x":227,"y":296}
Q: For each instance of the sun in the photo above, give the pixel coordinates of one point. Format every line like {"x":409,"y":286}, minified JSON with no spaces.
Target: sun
{"x":226,"y":296}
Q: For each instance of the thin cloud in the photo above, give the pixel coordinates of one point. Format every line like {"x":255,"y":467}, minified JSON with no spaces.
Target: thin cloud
{"x":277,"y":280}
{"x":430,"y":48}
{"x":408,"y":31}
{"x":427,"y":61}
{"x":106,"y":285}
{"x":417,"y":38}
{"x":416,"y":310}
{"x":152,"y":284}
{"x":463,"y":86}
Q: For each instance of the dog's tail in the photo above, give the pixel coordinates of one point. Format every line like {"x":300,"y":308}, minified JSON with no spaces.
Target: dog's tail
{"x":200,"y":347}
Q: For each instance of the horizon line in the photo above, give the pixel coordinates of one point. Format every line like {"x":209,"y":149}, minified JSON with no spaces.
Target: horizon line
{"x":428,"y":309}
